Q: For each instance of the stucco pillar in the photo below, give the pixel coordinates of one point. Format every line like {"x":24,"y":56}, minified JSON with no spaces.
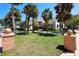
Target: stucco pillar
{"x":1,"y":50}
{"x":77,"y":44}
{"x":8,"y":41}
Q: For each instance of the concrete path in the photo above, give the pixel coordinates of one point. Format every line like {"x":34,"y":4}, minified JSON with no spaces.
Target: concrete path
{"x":67,"y":54}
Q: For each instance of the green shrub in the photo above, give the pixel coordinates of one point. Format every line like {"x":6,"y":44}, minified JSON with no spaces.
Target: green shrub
{"x":36,"y":25}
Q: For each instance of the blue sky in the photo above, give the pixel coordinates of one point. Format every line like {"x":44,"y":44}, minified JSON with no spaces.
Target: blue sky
{"x":5,"y":7}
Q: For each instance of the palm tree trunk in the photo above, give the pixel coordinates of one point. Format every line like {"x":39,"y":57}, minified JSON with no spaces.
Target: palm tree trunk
{"x":13,"y":19}
{"x":33,"y":25}
{"x":27,"y":25}
{"x":61,"y":28}
{"x":46,"y":26}
{"x":24,"y":24}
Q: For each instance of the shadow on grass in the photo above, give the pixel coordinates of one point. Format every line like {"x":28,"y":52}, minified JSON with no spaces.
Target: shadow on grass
{"x":21,"y":33}
{"x":61,"y":47}
{"x":45,"y":34}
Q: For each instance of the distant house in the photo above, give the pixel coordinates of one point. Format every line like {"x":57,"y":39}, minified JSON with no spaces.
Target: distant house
{"x":40,"y":23}
{"x":17,"y":25}
{"x":56,"y":24}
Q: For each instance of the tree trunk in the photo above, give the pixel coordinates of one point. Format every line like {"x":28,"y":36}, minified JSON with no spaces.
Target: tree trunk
{"x":13,"y":18}
{"x":46,"y":26}
{"x":27,"y":25}
{"x":24,"y":25}
{"x":61,"y":28}
{"x":33,"y":25}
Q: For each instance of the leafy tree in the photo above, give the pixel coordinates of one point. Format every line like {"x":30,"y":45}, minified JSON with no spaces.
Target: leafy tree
{"x":63,"y":11}
{"x":72,"y":24}
{"x":36,"y":27}
{"x":49,"y":25}
{"x":47,"y":15}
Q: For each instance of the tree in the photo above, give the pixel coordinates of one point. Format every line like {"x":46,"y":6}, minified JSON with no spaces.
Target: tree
{"x":2,"y":22}
{"x":12,"y":11}
{"x":34,"y":14}
{"x":47,"y":15}
{"x":63,"y":11}
{"x":36,"y":27}
{"x":31,"y":11}
{"x":8,"y":18}
{"x":72,"y":24}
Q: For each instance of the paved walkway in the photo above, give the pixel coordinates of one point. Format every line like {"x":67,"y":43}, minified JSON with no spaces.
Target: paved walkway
{"x":67,"y":54}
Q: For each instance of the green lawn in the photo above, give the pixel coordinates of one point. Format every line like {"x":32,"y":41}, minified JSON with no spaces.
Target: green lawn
{"x":36,"y":45}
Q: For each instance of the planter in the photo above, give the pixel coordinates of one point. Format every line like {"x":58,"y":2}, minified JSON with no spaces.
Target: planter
{"x":70,"y":42}
{"x":8,"y":41}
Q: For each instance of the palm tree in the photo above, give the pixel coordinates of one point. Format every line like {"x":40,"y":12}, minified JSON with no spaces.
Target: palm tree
{"x":47,"y":15}
{"x":33,"y":14}
{"x":31,"y":11}
{"x":12,"y":11}
{"x":8,"y":21}
{"x":63,"y":11}
{"x":26,"y":11}
{"x":8,"y":18}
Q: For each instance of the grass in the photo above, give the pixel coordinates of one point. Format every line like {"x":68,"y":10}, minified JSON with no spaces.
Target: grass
{"x":36,"y":45}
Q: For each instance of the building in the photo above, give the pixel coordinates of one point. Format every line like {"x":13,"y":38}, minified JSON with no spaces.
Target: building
{"x":40,"y":23}
{"x":56,"y":24}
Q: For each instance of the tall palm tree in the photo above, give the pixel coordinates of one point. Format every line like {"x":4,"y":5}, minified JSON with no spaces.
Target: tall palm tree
{"x":26,"y":12}
{"x":8,"y":17}
{"x":63,"y":11}
{"x":47,"y":15}
{"x":12,"y":11}
{"x":31,"y":11}
{"x":33,"y":14}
